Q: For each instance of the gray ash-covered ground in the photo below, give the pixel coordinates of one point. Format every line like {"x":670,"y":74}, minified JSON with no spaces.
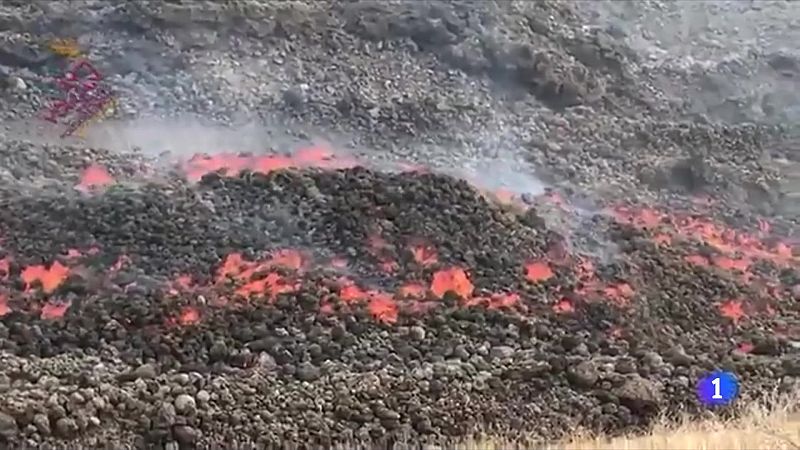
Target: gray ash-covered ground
{"x":147,"y":312}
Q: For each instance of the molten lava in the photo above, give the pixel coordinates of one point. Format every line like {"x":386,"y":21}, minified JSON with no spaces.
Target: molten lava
{"x":94,"y":176}
{"x":4,"y":308}
{"x":73,"y":254}
{"x":54,"y":310}
{"x":189,"y":316}
{"x":381,"y":305}
{"x":538,"y":271}
{"x":563,"y":306}
{"x":350,"y":292}
{"x":727,"y":263}
{"x":495,"y":301}
{"x":282,"y":271}
{"x":258,"y":277}
{"x":733,"y":310}
{"x":229,"y":164}
{"x":451,"y":280}
{"x":738,"y":248}
{"x":49,"y":278}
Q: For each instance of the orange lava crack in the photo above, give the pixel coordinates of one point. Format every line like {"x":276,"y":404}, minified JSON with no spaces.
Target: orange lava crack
{"x":48,"y":277}
{"x":230,"y":164}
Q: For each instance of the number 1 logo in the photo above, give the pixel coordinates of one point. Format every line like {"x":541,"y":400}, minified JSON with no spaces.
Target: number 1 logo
{"x":717,"y":389}
{"x":717,"y":395}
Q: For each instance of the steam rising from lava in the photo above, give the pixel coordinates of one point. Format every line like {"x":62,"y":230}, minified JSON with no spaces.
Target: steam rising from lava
{"x":198,"y":150}
{"x":284,"y":271}
{"x":182,"y":137}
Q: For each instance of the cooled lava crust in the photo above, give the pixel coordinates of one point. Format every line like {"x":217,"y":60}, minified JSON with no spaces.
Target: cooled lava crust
{"x":304,"y":298}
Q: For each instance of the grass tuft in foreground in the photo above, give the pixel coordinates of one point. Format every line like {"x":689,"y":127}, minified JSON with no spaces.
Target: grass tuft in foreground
{"x":771,"y":425}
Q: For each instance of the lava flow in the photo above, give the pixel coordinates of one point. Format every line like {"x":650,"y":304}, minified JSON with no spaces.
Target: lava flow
{"x":230,"y":164}
{"x":94,"y":176}
{"x":559,"y":282}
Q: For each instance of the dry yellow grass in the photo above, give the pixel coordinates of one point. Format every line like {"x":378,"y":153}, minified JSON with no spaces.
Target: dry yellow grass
{"x":774,"y":426}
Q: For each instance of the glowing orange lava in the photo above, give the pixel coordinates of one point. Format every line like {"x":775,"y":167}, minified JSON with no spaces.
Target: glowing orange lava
{"x":290,"y":259}
{"x":73,"y":253}
{"x":339,"y":263}
{"x":49,"y":278}
{"x":54,"y":310}
{"x":495,"y":301}
{"x":662,"y":239}
{"x":538,"y":271}
{"x":257,"y":277}
{"x":732,"y":309}
{"x":727,"y":241}
{"x":121,"y":261}
{"x":272,"y":285}
{"x":727,"y":263}
{"x":697,"y":260}
{"x":230,"y":164}
{"x":4,"y":308}
{"x":642,"y":218}
{"x":383,"y":307}
{"x":350,"y":292}
{"x":453,"y":279}
{"x":746,"y":347}
{"x":280,"y":272}
{"x":733,"y":250}
{"x":563,"y":306}
{"x":94,"y":176}
{"x":389,"y":266}
{"x":184,"y":282}
{"x":189,"y":316}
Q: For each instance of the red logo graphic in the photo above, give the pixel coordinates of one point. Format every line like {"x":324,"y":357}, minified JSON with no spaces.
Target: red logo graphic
{"x":85,"y":98}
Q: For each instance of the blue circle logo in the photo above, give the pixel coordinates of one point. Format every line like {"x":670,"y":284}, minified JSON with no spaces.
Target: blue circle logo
{"x":717,"y":389}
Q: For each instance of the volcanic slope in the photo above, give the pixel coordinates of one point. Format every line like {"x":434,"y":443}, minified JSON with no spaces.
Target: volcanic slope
{"x":342,"y":304}
{"x":301,"y":298}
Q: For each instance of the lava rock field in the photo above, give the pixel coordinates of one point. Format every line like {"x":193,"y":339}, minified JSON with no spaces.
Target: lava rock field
{"x":315,"y":296}
{"x":321,"y":303}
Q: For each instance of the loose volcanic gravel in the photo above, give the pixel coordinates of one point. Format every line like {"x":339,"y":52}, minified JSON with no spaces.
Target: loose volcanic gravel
{"x":275,"y":299}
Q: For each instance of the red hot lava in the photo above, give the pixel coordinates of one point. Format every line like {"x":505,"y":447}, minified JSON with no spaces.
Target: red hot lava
{"x":49,"y":278}
{"x":260,"y":277}
{"x":735,"y":252}
{"x":230,"y":164}
{"x":282,"y":272}
{"x":94,"y":176}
